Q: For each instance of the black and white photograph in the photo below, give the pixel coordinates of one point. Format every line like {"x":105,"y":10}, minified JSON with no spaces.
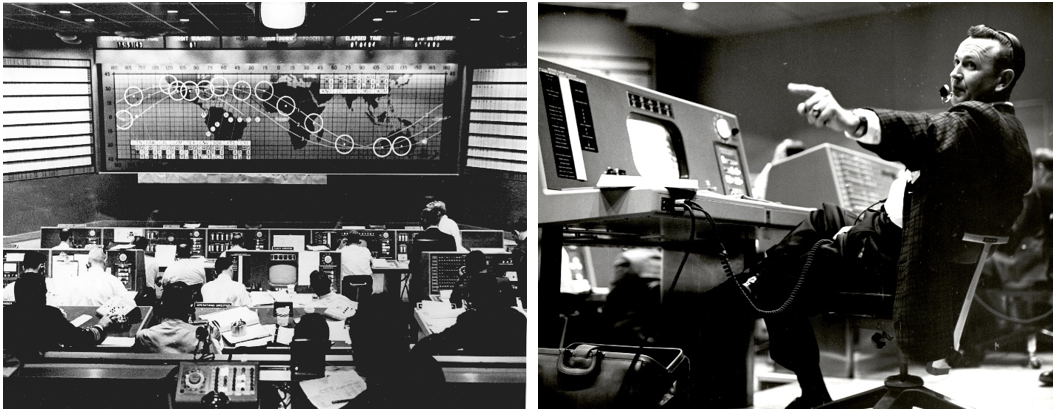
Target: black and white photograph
{"x":266,"y":205}
{"x":795,"y":205}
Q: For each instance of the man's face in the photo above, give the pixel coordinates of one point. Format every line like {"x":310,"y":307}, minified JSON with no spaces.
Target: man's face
{"x":974,"y":76}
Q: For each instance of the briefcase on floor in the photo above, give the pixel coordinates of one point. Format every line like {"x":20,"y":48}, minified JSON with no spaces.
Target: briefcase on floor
{"x":611,"y":376}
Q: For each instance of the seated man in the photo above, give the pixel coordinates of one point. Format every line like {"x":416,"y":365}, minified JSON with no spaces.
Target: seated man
{"x":395,"y":376}
{"x":190,"y":271}
{"x":224,"y":289}
{"x":325,"y":296}
{"x":970,"y":167}
{"x":432,"y":239}
{"x":355,"y":258}
{"x":173,"y":334}
{"x":489,"y":327}
{"x":32,"y":327}
{"x":96,"y":286}
{"x":446,"y":224}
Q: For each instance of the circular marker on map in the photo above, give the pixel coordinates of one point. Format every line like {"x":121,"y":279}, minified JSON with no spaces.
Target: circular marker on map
{"x":167,"y":85}
{"x":318,"y":122}
{"x":286,"y":101}
{"x":217,"y":124}
{"x":338,"y":145}
{"x":230,"y":119}
{"x":174,"y":90}
{"x":205,"y":90}
{"x":241,"y":90}
{"x":396,"y":144}
{"x":190,"y":91}
{"x":136,"y":96}
{"x":257,"y":119}
{"x":424,"y":141}
{"x":204,"y":114}
{"x":389,"y":143}
{"x":208,"y":134}
{"x":212,"y":129}
{"x":257,"y":89}
{"x":218,"y":88}
{"x":124,"y":119}
{"x":240,"y":119}
{"x":227,"y":114}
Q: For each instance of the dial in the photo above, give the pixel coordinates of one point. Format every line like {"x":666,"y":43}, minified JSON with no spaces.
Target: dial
{"x":194,"y":379}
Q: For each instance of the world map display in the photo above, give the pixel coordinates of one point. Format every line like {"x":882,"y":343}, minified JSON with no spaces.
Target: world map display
{"x":234,"y":112}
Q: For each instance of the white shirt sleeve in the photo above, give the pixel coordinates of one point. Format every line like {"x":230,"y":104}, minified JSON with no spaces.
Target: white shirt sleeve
{"x":873,"y":127}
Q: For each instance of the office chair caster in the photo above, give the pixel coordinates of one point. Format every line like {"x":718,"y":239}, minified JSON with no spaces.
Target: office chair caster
{"x":1035,"y":363}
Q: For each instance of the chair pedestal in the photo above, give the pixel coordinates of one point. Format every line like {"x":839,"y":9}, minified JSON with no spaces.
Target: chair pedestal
{"x":902,"y":391}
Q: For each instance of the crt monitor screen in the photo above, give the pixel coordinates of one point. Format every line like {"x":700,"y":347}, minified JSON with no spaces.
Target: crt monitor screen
{"x":657,"y":148}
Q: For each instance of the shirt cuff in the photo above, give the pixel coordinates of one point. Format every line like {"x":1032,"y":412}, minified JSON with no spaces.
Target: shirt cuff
{"x":873,"y":127}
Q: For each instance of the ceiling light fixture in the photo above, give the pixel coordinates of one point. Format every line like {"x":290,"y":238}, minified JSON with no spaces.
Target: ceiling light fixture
{"x":173,"y":11}
{"x":282,"y":15}
{"x":377,"y":19}
{"x":185,"y":20}
{"x":390,"y":11}
{"x":690,"y":5}
{"x":68,"y":38}
{"x":64,"y":11}
{"x":475,"y":20}
{"x":89,"y":20}
{"x":501,"y":11}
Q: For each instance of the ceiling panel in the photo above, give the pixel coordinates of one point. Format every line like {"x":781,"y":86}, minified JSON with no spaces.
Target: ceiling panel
{"x":212,"y":18}
{"x":731,"y":19}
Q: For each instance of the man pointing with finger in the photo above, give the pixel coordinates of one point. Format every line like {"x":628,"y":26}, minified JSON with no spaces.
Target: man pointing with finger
{"x":967,"y":170}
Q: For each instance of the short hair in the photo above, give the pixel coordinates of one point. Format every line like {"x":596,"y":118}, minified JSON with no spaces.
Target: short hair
{"x":237,"y":240}
{"x":475,"y":261}
{"x":1044,"y":157}
{"x":319,"y":280}
{"x":176,"y":301}
{"x":64,"y":235}
{"x":222,"y":264}
{"x":96,"y":254}
{"x":431,"y":216}
{"x":353,"y":237}
{"x":438,"y":205}
{"x":1010,"y":55}
{"x":32,"y":260}
{"x":31,"y":289}
{"x":183,"y":249}
{"x":140,"y":243}
{"x":313,"y":326}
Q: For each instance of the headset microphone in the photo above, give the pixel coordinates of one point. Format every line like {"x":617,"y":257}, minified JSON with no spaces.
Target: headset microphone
{"x":945,"y":94}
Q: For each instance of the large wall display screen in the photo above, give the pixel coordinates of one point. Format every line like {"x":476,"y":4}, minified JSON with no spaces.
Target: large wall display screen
{"x":384,"y":111}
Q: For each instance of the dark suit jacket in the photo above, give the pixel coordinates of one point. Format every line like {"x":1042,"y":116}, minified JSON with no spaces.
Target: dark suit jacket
{"x":975,"y":167}
{"x":30,"y":331}
{"x":432,"y":239}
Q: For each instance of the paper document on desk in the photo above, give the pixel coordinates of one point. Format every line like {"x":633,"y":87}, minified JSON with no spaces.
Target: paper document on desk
{"x":380,"y":263}
{"x":237,"y":325}
{"x":84,"y":318}
{"x":285,"y":335}
{"x":341,"y":312}
{"x":338,"y":331}
{"x":334,"y":391}
{"x":118,"y":342}
{"x":116,"y":306}
{"x":261,"y":298}
{"x":435,"y":309}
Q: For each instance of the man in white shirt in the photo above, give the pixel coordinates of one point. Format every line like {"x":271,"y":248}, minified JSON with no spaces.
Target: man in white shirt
{"x":325,"y":296}
{"x":355,"y":258}
{"x":190,"y":271}
{"x":447,"y":225}
{"x":96,"y":286}
{"x":224,"y":289}
{"x":236,"y":245}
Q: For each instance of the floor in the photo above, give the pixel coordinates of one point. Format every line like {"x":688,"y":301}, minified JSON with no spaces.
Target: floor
{"x":1002,"y":382}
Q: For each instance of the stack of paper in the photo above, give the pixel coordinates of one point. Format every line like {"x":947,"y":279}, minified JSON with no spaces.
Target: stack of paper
{"x":341,"y":312}
{"x":335,"y":390}
{"x":438,"y":316}
{"x":116,"y":306}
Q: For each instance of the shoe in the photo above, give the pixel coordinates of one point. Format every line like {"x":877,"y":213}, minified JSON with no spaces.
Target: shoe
{"x":803,"y":402}
{"x":1046,"y":378}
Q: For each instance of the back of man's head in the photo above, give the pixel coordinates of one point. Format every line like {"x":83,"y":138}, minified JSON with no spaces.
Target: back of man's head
{"x":1043,"y":157}
{"x":1010,"y":55}
{"x":352,"y":238}
{"x":475,"y":262}
{"x":31,"y":290}
{"x":431,"y":216}
{"x":237,"y":241}
{"x":140,"y":243}
{"x":97,"y":257}
{"x":183,"y":250}
{"x":313,"y":326}
{"x":222,"y":264}
{"x":320,"y":282}
{"x":439,"y":206}
{"x":64,"y":235}
{"x":32,"y":260}
{"x":176,"y":301}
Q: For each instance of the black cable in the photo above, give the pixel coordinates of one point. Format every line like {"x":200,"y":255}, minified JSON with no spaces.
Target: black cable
{"x":693,"y":230}
{"x":859,"y":217}
{"x":730,"y":273}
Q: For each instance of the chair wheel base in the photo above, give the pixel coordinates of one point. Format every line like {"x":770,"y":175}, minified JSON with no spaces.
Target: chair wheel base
{"x":904,"y":382}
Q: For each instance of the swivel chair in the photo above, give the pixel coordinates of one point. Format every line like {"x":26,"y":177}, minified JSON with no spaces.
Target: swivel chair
{"x":357,"y":287}
{"x":908,"y":391}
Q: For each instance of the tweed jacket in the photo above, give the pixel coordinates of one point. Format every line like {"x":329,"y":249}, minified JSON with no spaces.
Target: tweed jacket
{"x":975,"y":167}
